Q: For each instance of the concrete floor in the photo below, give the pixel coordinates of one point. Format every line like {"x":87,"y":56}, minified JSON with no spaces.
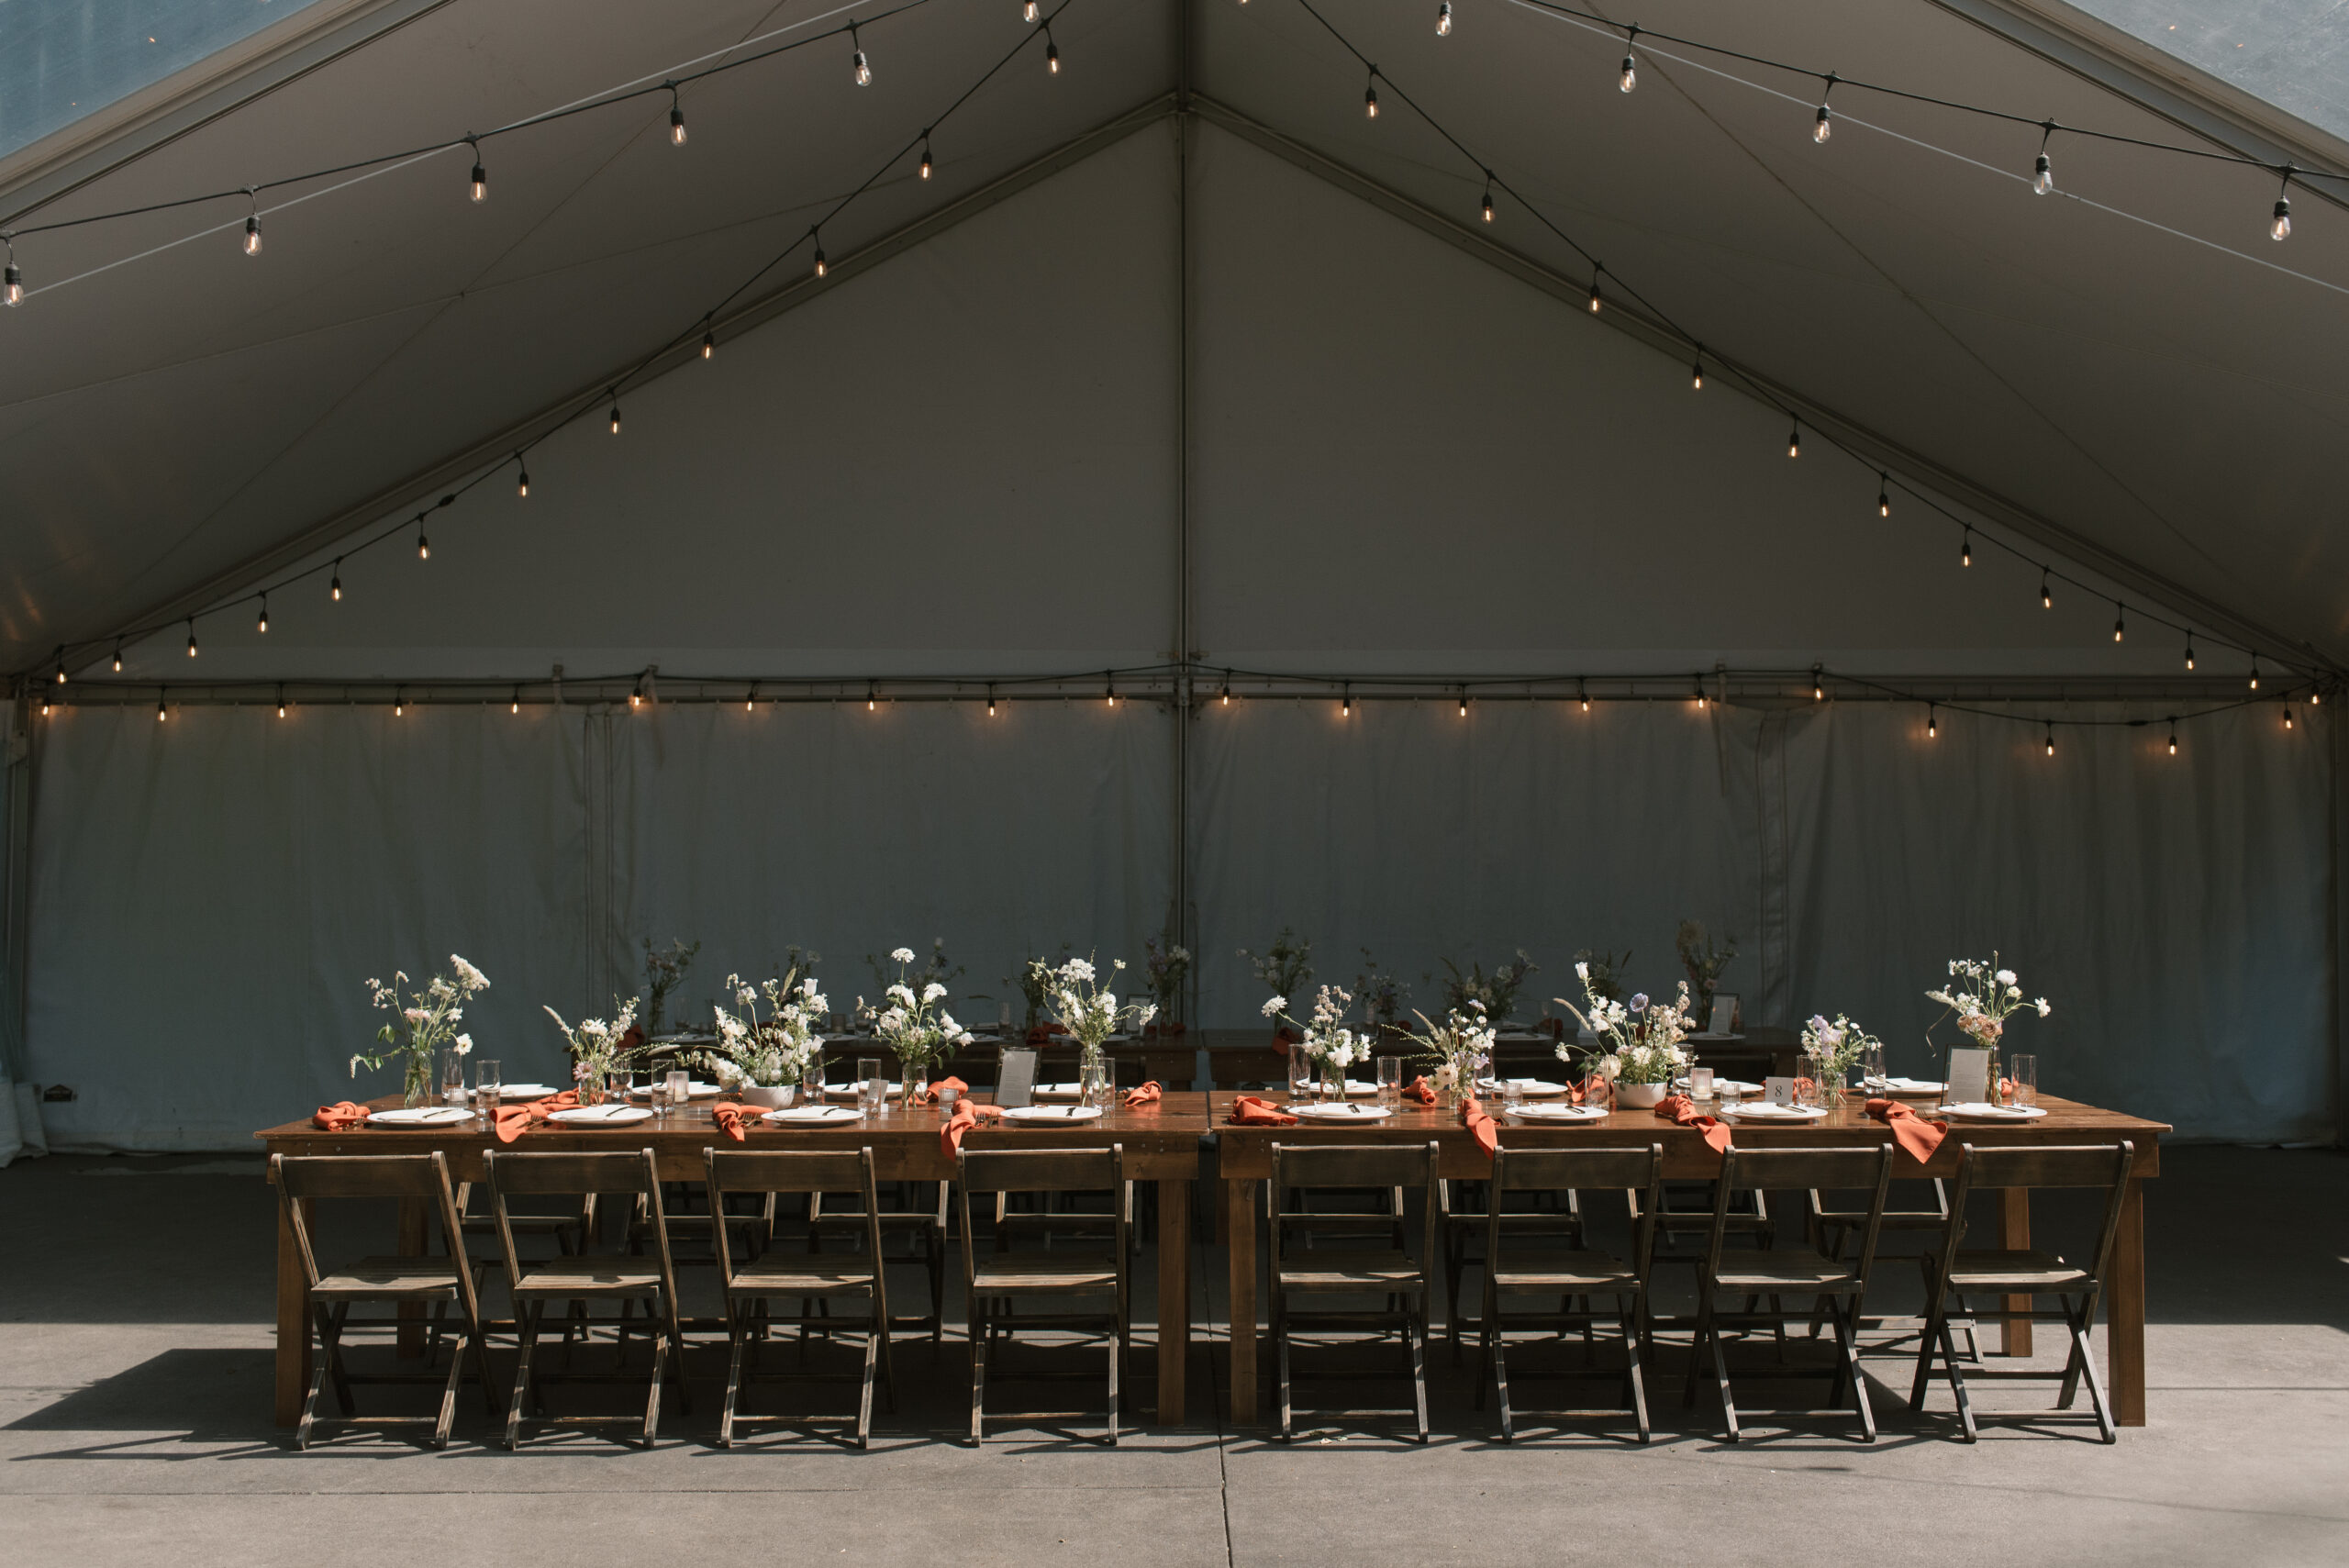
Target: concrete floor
{"x":135,"y":1312}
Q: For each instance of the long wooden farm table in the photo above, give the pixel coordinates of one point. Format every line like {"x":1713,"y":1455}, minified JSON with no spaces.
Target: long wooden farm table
{"x":1161,"y":1143}
{"x":1246,"y":1160}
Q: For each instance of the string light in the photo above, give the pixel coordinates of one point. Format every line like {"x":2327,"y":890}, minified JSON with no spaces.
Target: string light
{"x":925,"y":154}
{"x":2280,"y":226}
{"x":616,"y":411}
{"x":1823,"y":127}
{"x":2173,"y":737}
{"x":2046,"y":594}
{"x":191,"y":637}
{"x":2287,"y":716}
{"x":2042,"y":175}
{"x":1882,"y":493}
{"x":2255,"y":670}
{"x":1700,"y":694}
{"x":481,"y":175}
{"x":1369,"y":96}
{"x":708,"y":342}
{"x":516,"y":705}
{"x":2189,"y":651}
{"x":522,"y":482}
{"x":423,"y":545}
{"x":1594,"y":291}
{"x":44,"y":706}
{"x":1227,"y":688}
{"x":1110,"y":687}
{"x":117,"y":656}
{"x":2316,"y":697}
{"x":1488,"y":190}
{"x":61,"y":666}
{"x":1028,"y":12}
{"x":1051,"y":51}
{"x":281,"y":702}
{"x":399,"y":701}
{"x":1932,"y":724}
{"x":1583,"y":692}
{"x":2051,"y":738}
{"x":1444,"y":19}
{"x":676,"y":118}
{"x":1463,"y":702}
{"x":868,"y":696}
{"x":261,"y":626}
{"x":1346,"y":693}
{"x":860,"y":69}
{"x":1966,"y":548}
{"x":1794,"y":440}
{"x":15,"y":290}
{"x":1697,"y":369}
{"x":990,"y":702}
{"x":750,"y":699}
{"x":819,"y":250}
{"x":1630,"y":74}
{"x":252,"y":223}
{"x":2118,"y":615}
{"x":1817,"y":684}
{"x":636,"y":696}
{"x":162,"y":712}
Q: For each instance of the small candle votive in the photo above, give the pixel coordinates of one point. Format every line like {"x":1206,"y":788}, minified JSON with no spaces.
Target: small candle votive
{"x":1700,"y":1083}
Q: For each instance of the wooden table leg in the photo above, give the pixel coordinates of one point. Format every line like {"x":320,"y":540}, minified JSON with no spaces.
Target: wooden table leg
{"x":1240,"y":1235}
{"x":2124,"y":1311}
{"x":411,"y":1245}
{"x":2014,"y":1235}
{"x":1173,"y":1297}
{"x":293,"y":1326}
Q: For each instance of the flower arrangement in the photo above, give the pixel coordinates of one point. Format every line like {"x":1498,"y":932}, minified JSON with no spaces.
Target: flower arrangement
{"x":909,"y":1021}
{"x":1461,"y":1047}
{"x":1287,"y":967}
{"x":1638,"y":1042}
{"x":769,"y":1052}
{"x":1601,"y":974}
{"x":934,"y":973}
{"x":1089,"y":1011}
{"x":1704,"y":963}
{"x":1835,"y":1048}
{"x":664,"y":971}
{"x":421,"y":1023}
{"x":1984,"y":996}
{"x":1383,"y":996}
{"x":1035,"y":983}
{"x":1164,"y":971}
{"x":1325,"y":1038}
{"x":598,"y":1050}
{"x":1496,"y":993}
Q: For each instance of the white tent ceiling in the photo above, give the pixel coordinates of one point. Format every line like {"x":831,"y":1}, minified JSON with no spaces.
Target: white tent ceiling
{"x":2161,"y":397}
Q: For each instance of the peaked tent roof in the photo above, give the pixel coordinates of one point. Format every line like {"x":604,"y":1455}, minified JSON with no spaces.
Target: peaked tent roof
{"x":2144,"y":384}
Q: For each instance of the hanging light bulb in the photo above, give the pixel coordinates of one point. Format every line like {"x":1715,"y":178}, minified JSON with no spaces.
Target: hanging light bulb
{"x":2118,"y":614}
{"x":860,"y":68}
{"x":1109,"y":686}
{"x":263,"y":625}
{"x":2254,"y":672}
{"x":191,"y":637}
{"x":1370,"y":95}
{"x":709,"y":342}
{"x":2189,"y":651}
{"x":61,"y":666}
{"x":481,"y":175}
{"x":1594,"y":291}
{"x":1883,"y":494}
{"x":2046,"y":594}
{"x":15,"y":293}
{"x":925,"y":155}
{"x":1346,"y":695}
{"x":1932,"y":724}
{"x":1583,"y":692}
{"x":1965,"y":550}
{"x":1823,"y":127}
{"x":1630,"y":78}
{"x":252,"y":223}
{"x":2173,"y":738}
{"x":334,"y":588}
{"x":2279,"y":228}
{"x":281,"y":702}
{"x":616,"y":411}
{"x":44,"y":707}
{"x":1463,"y":702}
{"x":1051,"y":51}
{"x":423,"y":545}
{"x":750,"y":699}
{"x":819,"y":255}
{"x":636,"y":696}
{"x":1817,"y":684}
{"x":117,"y":656}
{"x":162,"y":713}
{"x":868,"y":696}
{"x":400,"y":703}
{"x":2287,"y":716}
{"x":1794,"y":440}
{"x":1488,"y":196}
{"x":990,"y":702}
{"x":1700,"y":694}
{"x":522,"y":480}
{"x":1227,"y":688}
{"x":516,"y":705}
{"x":2316,"y":693}
{"x":1697,"y":369}
{"x":1444,"y":19}
{"x":676,"y":120}
{"x":1028,"y":11}
{"x":2051,"y":739}
{"x":2042,"y":173}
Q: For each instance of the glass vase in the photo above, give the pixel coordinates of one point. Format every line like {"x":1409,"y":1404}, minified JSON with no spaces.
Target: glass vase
{"x":591,"y":1091}
{"x":912,"y":1083}
{"x":1334,"y":1082}
{"x":417,"y":1088}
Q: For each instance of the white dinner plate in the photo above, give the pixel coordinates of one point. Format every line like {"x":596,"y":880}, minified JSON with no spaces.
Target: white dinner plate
{"x":848,"y":1091}
{"x":1904,"y":1085}
{"x":601,"y":1115}
{"x":1975,"y":1110}
{"x":814,"y":1116}
{"x":1740,"y":1084}
{"x":1764,"y":1111}
{"x":1556,"y":1113}
{"x":422,"y":1115}
{"x":525,"y":1091}
{"x":1053,"y":1113}
{"x":1532,"y":1088}
{"x":1348,"y":1112}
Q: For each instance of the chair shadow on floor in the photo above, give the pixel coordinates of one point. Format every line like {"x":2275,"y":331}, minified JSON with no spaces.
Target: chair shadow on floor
{"x":204,"y":1398}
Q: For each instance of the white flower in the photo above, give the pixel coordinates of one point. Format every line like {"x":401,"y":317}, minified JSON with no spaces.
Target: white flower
{"x":464,"y":1045}
{"x":469,"y":977}
{"x":1582,"y":972}
{"x":1149,"y":1011}
{"x":2044,"y":1008}
{"x":808,"y":988}
{"x":415,"y":1014}
{"x":2006,"y":978}
{"x":1610,"y":1064}
{"x":903,"y":993}
{"x":946,"y":1021}
{"x":932,"y":992}
{"x":903,"y":955}
{"x":1274,"y":1006}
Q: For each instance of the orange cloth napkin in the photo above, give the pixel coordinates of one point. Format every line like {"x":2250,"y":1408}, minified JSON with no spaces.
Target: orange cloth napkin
{"x":1911,"y":1131}
{"x":966,"y":1116}
{"x":731,"y":1117}
{"x":512,"y":1119}
{"x":1148,"y":1094}
{"x":1250,"y":1111}
{"x":1044,"y":1032}
{"x":1806,"y":1089}
{"x":961,"y":1090}
{"x":1682,"y":1110}
{"x":1421,"y":1090}
{"x":341,"y":1117}
{"x":1479,"y":1124}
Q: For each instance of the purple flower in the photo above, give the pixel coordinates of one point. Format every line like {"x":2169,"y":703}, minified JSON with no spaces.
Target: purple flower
{"x":1640,"y":1002}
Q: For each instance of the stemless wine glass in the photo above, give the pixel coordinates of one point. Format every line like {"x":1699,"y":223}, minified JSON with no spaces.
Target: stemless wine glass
{"x":453,"y":1077}
{"x":1872,"y":1066}
{"x":1300,"y":1074}
{"x":872,"y":1088}
{"x":2023,"y":1072}
{"x":1390,"y":1080}
{"x":487,"y":1088}
{"x":679,"y":1091}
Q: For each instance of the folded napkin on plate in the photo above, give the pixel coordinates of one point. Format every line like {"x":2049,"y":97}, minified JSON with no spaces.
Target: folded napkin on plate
{"x":1479,"y":1124}
{"x":341,"y":1117}
{"x":512,"y":1119}
{"x":1421,"y":1090}
{"x":1682,"y":1110}
{"x":1148,"y":1094}
{"x":731,"y":1117}
{"x":1250,"y":1111}
{"x":964,"y":1116}
{"x":962,"y":1091}
{"x":1911,"y":1131}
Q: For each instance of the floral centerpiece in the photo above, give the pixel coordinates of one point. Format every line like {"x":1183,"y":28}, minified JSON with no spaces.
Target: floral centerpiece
{"x":1601,"y":974}
{"x":1833,"y":1050}
{"x":1638,"y":1048}
{"x":1460,"y":1048}
{"x":1287,"y":967}
{"x":1495,"y":994}
{"x":1984,"y":996}
{"x":664,"y":971}
{"x":910,"y":1022}
{"x":1384,"y":998}
{"x":1325,"y":1038}
{"x":1164,"y":971}
{"x":600,"y":1052}
{"x":1090,"y":1011}
{"x":1035,"y":983}
{"x":1704,"y":961}
{"x":768,"y":1058}
{"x":421,"y":1023}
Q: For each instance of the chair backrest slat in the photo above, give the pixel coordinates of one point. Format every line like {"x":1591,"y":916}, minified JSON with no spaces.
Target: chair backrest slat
{"x":1040,"y":1169}
{"x":303,"y":1178}
{"x":516,"y":1174}
{"x":795,"y":1170}
{"x":1324,"y":1166}
{"x":1779,"y":1169}
{"x":1574,"y":1170}
{"x":2105,"y":1165}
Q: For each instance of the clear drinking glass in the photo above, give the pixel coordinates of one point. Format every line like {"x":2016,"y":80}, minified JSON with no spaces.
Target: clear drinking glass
{"x":1390,"y":1080}
{"x":872,"y":1086}
{"x":679,"y":1086}
{"x":811,"y":1077}
{"x":453,"y":1077}
{"x":1512,"y":1094}
{"x":1872,"y":1066}
{"x":1700,"y":1083}
{"x":2022,"y":1072}
{"x":487,"y":1090}
{"x":1300,"y":1074}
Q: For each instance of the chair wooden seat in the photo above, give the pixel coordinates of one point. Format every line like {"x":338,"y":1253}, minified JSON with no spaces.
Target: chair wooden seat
{"x":2014,"y":1273}
{"x":408,"y":1279}
{"x":587,"y":1276}
{"x":789,"y":1275}
{"x":1043,"y":1274}
{"x":1383,"y":1271}
{"x":1795,"y":1270}
{"x":1570,"y":1274}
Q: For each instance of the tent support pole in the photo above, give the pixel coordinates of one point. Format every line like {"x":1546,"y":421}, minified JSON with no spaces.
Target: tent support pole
{"x":1180,"y":927}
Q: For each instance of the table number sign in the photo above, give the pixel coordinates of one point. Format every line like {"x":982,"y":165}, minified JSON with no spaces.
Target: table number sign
{"x":1969,"y":1078}
{"x":1015,"y":1079}
{"x":1778,"y":1091}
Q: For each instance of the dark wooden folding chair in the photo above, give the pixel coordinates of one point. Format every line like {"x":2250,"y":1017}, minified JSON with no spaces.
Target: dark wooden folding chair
{"x":1954,"y":1275}
{"x":1468,"y":1208}
{"x":404,"y":1282}
{"x":1519,"y":1270}
{"x":814,"y":1280}
{"x":1091,"y":1275}
{"x":1797,"y":1272}
{"x":632,"y":1280}
{"x":1833,"y":1222}
{"x":923,"y":1227}
{"x":1351,"y":1268}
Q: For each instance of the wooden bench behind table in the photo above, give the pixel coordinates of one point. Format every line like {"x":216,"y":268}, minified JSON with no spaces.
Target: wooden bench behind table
{"x":1161,"y":1145}
{"x":1246,"y":1160}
